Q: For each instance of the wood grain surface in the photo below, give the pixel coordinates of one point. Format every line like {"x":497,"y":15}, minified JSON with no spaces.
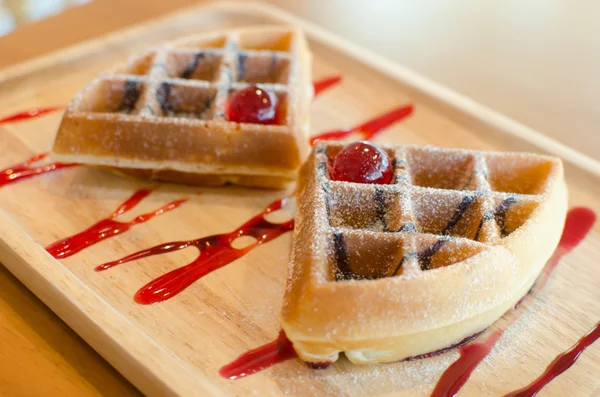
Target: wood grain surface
{"x":41,"y":355}
{"x":228,"y":312}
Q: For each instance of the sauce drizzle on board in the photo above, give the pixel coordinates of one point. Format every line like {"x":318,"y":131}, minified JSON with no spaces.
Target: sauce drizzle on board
{"x":214,"y":252}
{"x":281,"y":350}
{"x":265,"y":356}
{"x":368,"y":129}
{"x":560,"y":364}
{"x":108,"y":227}
{"x":25,"y":169}
{"x":578,"y":224}
{"x":29,"y":114}
{"x":323,"y":84}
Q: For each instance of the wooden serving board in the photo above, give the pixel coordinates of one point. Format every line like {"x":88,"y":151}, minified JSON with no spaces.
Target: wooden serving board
{"x":178,"y":346}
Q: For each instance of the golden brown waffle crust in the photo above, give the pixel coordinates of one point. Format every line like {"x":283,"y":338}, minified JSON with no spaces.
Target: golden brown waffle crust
{"x":175,"y":128}
{"x":193,"y":179}
{"x":388,"y":319}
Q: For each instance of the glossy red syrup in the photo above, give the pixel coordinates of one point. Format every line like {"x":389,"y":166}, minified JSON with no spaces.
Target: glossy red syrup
{"x":252,"y":105}
{"x":578,"y":224}
{"x":30,"y":114}
{"x":260,"y":358}
{"x":368,"y":129}
{"x":26,"y":169}
{"x":362,"y":162}
{"x":214,"y":252}
{"x":321,"y":85}
{"x":559,"y":365}
{"x":108,"y":227}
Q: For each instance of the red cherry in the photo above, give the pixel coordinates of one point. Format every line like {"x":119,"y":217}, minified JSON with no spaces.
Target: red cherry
{"x":362,"y":162}
{"x":252,"y":105}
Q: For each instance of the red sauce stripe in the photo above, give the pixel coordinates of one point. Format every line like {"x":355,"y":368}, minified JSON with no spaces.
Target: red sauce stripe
{"x":578,"y":224}
{"x":108,"y":227}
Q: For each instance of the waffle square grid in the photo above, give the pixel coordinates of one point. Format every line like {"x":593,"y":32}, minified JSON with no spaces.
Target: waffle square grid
{"x":162,"y":114}
{"x":443,"y":206}
{"x":192,"y":78}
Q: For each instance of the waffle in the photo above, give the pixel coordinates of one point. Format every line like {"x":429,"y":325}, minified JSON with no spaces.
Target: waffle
{"x":388,"y":272}
{"x":161,"y":115}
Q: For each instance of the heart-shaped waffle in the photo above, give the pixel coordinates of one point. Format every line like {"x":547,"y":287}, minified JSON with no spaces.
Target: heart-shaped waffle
{"x":161,"y":115}
{"x":387,"y":272}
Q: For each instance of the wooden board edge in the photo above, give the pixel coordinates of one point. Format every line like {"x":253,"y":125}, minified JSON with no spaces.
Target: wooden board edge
{"x":436,"y":92}
{"x":68,"y":54}
{"x":145,"y":366}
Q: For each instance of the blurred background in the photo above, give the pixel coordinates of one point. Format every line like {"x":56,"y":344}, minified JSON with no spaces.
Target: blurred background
{"x":14,"y":13}
{"x":536,"y":61}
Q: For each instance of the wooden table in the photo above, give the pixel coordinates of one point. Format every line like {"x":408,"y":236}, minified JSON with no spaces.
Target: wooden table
{"x":536,"y":62}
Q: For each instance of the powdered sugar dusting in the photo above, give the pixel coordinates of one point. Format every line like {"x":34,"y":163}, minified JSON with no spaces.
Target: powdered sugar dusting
{"x":443,"y":192}
{"x":164,"y":110}
{"x":183,"y":81}
{"x":445,"y":217}
{"x":403,"y":378}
